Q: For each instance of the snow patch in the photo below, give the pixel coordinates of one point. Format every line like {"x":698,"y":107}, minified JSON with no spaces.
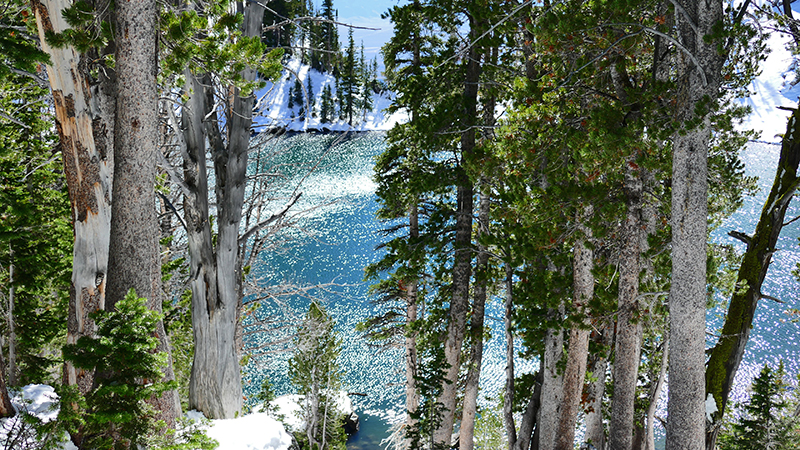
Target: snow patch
{"x":711,"y":407}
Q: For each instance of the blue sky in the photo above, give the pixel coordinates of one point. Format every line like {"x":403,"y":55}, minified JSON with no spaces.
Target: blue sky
{"x":365,"y":13}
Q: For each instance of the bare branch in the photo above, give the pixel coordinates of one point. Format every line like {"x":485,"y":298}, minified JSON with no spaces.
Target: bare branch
{"x":172,"y":207}
{"x":13,"y":120}
{"x":271,"y":219}
{"x":741,"y":236}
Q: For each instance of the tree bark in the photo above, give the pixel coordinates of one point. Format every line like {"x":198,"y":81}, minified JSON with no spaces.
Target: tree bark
{"x":84,"y":115}
{"x":627,"y":346}
{"x":552,"y":385}
{"x":6,"y":407}
{"x":595,"y":427}
{"x":727,"y":353}
{"x":462,"y":267}
{"x":649,"y":434}
{"x":578,"y":351}
{"x":508,"y":400}
{"x":466,"y":438}
{"x":134,"y":256}
{"x":216,"y":385}
{"x":12,"y":335}
{"x":412,"y":294}
{"x":687,"y":301}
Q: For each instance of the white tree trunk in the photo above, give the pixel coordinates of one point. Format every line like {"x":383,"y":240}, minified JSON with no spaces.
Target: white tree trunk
{"x":12,"y":335}
{"x":216,"y":384}
{"x":595,"y":433}
{"x":466,"y":438}
{"x":84,"y":114}
{"x":687,"y":300}
{"x":412,"y":293}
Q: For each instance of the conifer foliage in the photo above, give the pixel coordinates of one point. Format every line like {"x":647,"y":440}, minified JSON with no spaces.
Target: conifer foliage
{"x":315,"y":372}
{"x":767,"y":419}
{"x":129,"y":372}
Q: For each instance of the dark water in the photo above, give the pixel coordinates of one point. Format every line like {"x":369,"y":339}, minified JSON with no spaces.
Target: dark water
{"x":338,"y":240}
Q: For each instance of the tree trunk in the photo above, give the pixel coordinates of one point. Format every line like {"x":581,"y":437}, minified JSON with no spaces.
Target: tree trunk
{"x":727,"y":354}
{"x":134,"y":256}
{"x":6,"y":407}
{"x":412,"y":293}
{"x":216,"y":384}
{"x":575,"y":371}
{"x":508,"y":403}
{"x":649,"y":435}
{"x":466,"y":438}
{"x":552,"y":385}
{"x":687,"y":302}
{"x":84,"y":115}
{"x":12,"y":335}
{"x":595,"y":428}
{"x":628,"y":339}
{"x":462,"y":267}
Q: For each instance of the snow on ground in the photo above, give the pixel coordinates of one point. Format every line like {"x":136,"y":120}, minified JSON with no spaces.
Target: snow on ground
{"x":273,"y":100}
{"x":255,"y":431}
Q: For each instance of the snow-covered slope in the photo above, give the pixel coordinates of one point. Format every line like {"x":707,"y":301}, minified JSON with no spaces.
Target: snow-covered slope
{"x":273,"y":100}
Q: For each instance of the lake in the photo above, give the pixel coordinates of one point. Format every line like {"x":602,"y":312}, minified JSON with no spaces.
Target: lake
{"x":332,"y":243}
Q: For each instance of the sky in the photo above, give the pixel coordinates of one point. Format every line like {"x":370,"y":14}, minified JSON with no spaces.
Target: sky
{"x":367,"y":14}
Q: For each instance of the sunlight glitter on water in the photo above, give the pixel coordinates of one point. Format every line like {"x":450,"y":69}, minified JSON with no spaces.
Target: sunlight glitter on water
{"x":346,"y":234}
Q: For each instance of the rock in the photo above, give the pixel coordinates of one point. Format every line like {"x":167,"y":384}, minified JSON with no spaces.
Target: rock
{"x":350,"y":424}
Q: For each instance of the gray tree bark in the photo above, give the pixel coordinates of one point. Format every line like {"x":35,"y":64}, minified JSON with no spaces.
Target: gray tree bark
{"x":552,"y":386}
{"x":595,"y":433}
{"x":84,"y":114}
{"x":462,"y":267}
{"x":411,"y":357}
{"x":134,"y":256}
{"x":627,"y":346}
{"x":466,"y":437}
{"x":687,"y":302}
{"x":578,"y":350}
{"x":215,"y":387}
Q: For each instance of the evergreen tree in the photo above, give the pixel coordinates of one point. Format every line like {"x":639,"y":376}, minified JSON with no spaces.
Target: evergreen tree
{"x":315,"y":372}
{"x":310,"y":93}
{"x":766,"y":420}
{"x":327,"y":107}
{"x":129,"y":373}
{"x":298,"y":97}
{"x":348,"y":89}
{"x":325,"y":40}
{"x":35,"y":233}
{"x":365,"y":85}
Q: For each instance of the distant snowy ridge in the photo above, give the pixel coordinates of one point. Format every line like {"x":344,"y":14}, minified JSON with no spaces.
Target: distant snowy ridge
{"x":273,"y":112}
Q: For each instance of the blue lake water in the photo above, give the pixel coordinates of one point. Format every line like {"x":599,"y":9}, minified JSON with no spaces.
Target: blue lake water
{"x":334,"y":242}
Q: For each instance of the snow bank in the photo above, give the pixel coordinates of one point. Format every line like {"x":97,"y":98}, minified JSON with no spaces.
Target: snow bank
{"x":289,"y":407}
{"x":257,"y":431}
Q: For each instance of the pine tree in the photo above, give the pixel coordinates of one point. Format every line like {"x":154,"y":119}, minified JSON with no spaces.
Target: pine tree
{"x":348,"y":90}
{"x":365,"y":89}
{"x":327,"y":107}
{"x":123,"y":355}
{"x":766,"y":420}
{"x":315,"y":372}
{"x":310,"y":93}
{"x":299,"y":98}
